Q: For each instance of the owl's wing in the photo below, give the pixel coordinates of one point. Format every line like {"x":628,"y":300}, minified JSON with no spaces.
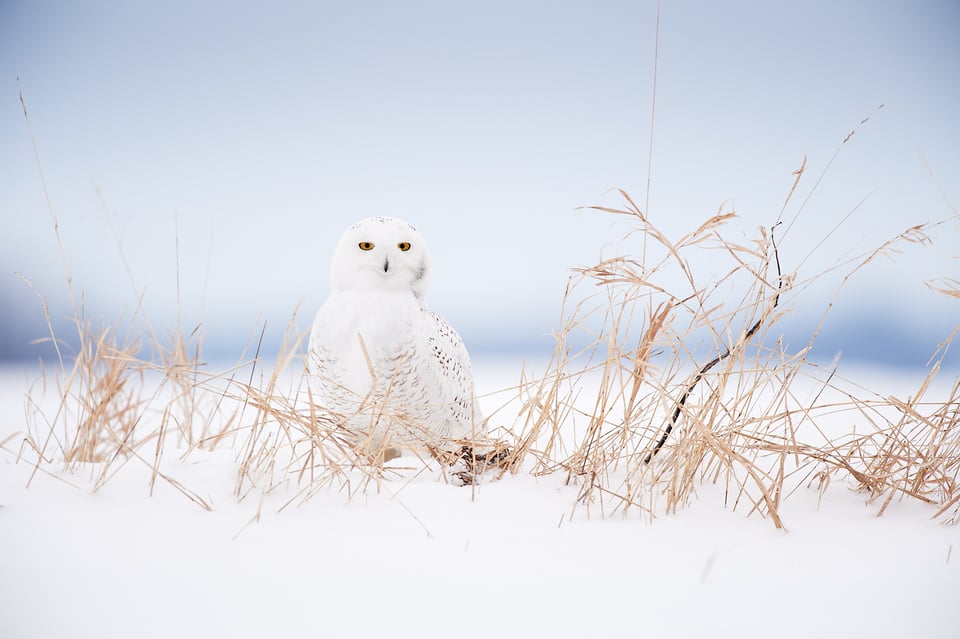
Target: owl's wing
{"x":454,"y":377}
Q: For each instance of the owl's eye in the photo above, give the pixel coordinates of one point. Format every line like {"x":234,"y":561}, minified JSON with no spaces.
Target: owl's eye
{"x":366,"y":246}
{"x":404,"y":246}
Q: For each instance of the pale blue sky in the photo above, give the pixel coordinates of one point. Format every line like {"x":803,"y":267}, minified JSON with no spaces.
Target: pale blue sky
{"x":266,"y":129}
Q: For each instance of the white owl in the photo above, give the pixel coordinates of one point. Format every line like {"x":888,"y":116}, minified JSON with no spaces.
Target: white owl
{"x":389,"y":369}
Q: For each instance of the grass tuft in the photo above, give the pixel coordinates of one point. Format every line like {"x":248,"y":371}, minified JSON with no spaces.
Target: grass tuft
{"x":653,"y":390}
{"x":662,"y":380}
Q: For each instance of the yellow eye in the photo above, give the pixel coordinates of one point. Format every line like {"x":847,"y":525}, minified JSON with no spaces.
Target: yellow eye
{"x":366,"y":246}
{"x":404,"y":246}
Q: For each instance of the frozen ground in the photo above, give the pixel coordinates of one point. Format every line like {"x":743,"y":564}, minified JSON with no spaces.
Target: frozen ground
{"x":423,"y":558}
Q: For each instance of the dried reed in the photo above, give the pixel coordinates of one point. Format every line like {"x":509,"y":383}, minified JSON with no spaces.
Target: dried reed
{"x":653,"y":389}
{"x":603,"y":412}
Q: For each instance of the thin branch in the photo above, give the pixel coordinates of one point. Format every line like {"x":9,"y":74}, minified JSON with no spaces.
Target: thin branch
{"x":716,"y":360}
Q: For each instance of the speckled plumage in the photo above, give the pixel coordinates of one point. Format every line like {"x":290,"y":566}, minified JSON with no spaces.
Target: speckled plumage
{"x":393,"y":371}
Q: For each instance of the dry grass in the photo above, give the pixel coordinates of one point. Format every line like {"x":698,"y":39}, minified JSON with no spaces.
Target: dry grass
{"x":654,"y":388}
{"x":667,"y":390}
{"x":642,"y":415}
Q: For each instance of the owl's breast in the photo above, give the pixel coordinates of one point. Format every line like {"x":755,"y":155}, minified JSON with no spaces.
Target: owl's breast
{"x":359,"y":340}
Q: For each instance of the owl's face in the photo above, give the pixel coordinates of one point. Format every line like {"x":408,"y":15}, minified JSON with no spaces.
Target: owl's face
{"x":381,"y":253}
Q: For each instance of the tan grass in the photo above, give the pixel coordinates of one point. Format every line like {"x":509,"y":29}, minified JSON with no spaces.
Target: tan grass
{"x":654,"y":389}
{"x":671,"y":389}
{"x":736,"y":417}
{"x":596,"y":415}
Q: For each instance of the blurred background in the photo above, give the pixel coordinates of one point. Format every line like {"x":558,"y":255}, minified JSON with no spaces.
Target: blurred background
{"x":202,"y":158}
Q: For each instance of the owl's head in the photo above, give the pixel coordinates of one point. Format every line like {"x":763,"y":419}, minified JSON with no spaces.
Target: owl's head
{"x":381,"y":253}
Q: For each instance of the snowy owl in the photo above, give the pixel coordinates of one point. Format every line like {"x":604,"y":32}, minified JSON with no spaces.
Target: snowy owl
{"x":393,"y":372}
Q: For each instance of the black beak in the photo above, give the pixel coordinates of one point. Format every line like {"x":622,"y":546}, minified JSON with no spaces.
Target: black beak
{"x":386,"y":264}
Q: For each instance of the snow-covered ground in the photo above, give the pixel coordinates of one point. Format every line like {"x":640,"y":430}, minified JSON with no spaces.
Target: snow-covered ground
{"x":424,"y":558}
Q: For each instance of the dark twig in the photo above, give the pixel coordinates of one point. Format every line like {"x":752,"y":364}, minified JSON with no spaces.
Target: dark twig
{"x":477,"y":463}
{"x":716,"y":360}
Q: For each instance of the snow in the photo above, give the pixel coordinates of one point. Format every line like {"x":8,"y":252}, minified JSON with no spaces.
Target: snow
{"x":422,"y":557}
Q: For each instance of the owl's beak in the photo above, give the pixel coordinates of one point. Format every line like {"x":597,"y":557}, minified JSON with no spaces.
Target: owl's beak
{"x":386,"y":264}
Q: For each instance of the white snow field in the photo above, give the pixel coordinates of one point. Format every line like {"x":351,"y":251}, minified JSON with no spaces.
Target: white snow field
{"x":421,"y":557}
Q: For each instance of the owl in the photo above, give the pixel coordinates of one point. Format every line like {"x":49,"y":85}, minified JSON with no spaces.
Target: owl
{"x":391,"y":371}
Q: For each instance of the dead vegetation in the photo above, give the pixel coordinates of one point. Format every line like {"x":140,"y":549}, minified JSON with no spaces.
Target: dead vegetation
{"x":661,"y":381}
{"x":638,"y":417}
{"x":651,"y":392}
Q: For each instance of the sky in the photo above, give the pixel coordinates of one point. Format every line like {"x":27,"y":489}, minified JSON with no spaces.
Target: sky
{"x":199,"y":160}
